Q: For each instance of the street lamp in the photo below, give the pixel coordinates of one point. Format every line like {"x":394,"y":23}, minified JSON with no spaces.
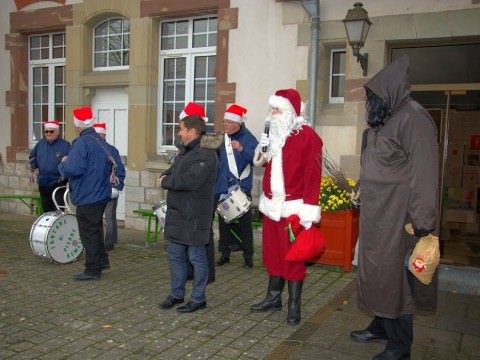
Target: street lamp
{"x":357,"y":24}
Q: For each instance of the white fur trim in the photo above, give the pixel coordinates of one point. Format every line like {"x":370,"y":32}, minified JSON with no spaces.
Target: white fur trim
{"x":100,"y":130}
{"x":276,"y":177}
{"x":51,"y":126}
{"x":183,"y":115}
{"x":309,"y":212}
{"x":83,"y":124}
{"x":276,"y":209}
{"x":281,"y":103}
{"x":232,"y":117}
{"x":259,"y":159}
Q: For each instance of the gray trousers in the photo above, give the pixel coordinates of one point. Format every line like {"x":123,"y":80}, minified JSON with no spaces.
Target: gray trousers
{"x":111,"y":222}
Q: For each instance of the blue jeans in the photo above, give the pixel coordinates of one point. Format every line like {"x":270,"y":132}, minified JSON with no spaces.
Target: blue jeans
{"x":177,"y":256}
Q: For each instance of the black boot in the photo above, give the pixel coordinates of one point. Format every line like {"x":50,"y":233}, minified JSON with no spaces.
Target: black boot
{"x":224,"y":259}
{"x":294,"y":295}
{"x":273,"y":300}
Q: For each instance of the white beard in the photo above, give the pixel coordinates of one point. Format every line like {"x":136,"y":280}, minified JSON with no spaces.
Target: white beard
{"x":281,"y":126}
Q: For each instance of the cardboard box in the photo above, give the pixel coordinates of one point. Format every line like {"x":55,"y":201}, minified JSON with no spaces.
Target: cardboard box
{"x":462,"y":198}
{"x":471,"y":158}
{"x":455,"y":152}
{"x":461,"y":216}
{"x":475,"y":142}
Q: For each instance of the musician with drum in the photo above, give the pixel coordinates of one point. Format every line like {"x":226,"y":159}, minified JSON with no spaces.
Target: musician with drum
{"x":89,"y":170}
{"x":44,"y":159}
{"x":234,"y":185}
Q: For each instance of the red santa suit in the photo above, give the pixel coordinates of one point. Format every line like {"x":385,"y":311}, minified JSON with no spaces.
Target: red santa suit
{"x":291,"y":185}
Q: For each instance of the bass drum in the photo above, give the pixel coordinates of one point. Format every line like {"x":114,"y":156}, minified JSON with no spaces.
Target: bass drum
{"x":55,"y":236}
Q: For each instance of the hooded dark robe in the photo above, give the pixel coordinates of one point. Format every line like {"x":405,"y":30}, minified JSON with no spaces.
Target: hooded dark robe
{"x":399,"y":185}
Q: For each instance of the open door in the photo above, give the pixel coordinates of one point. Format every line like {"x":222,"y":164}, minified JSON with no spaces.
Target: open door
{"x":457,"y":114}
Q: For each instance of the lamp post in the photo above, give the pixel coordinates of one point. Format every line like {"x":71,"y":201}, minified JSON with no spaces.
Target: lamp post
{"x":357,"y":25}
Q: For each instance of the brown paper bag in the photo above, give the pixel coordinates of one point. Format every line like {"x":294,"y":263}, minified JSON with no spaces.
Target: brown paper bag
{"x":425,"y":258}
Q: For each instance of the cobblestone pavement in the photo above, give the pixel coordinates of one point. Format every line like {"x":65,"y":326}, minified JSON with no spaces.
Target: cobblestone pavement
{"x":44,"y":314}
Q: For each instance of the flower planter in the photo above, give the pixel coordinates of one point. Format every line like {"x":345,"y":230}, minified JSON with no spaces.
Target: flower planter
{"x":340,"y":229}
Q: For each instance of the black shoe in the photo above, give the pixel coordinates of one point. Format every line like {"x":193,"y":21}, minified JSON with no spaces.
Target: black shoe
{"x":191,"y":307}
{"x":391,"y":354}
{"x":109,"y":247}
{"x":85,"y":277}
{"x":210,"y":280}
{"x":248,"y":263}
{"x":170,"y":302}
{"x":223,"y":260}
{"x":365,"y":336}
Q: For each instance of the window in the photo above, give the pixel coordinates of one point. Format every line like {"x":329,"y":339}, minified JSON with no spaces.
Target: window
{"x":111,"y":45}
{"x":187,"y":72}
{"x":337,"y":76}
{"x":46,"y":82}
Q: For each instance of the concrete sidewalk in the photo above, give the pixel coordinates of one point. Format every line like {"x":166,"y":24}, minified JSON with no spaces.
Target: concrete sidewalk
{"x":44,"y":314}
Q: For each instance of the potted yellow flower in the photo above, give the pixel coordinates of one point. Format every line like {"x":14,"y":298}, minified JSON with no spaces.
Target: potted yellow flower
{"x":333,"y":197}
{"x":339,"y":221}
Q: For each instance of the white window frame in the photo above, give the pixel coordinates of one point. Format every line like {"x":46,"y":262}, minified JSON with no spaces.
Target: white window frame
{"x":190,"y":54}
{"x":50,"y":63}
{"x":335,"y":99}
{"x":111,"y":68}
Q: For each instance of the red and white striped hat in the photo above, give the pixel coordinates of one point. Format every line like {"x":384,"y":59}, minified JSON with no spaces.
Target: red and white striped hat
{"x":235,"y":113}
{"x":193,"y":109}
{"x":100,"y":128}
{"x":83,"y":117}
{"x":51,"y":125}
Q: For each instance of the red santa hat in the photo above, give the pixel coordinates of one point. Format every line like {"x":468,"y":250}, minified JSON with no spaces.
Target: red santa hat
{"x":83,"y":117}
{"x":100,"y":128}
{"x":286,"y":100}
{"x":235,"y":113}
{"x":51,"y":125}
{"x":193,"y":109}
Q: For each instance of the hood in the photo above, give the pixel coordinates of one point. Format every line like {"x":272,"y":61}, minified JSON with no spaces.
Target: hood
{"x":212,"y":141}
{"x":392,"y":82}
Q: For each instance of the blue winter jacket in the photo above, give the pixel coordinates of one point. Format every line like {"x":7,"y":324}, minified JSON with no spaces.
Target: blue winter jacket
{"x":45,"y":157}
{"x":225,"y":179}
{"x":88,"y":169}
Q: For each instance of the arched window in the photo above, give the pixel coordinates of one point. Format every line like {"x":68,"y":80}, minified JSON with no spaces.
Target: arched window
{"x":111,"y":44}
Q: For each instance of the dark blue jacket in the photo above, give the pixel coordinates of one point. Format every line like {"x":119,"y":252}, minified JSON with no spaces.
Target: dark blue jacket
{"x":225,"y":179}
{"x":88,"y":169}
{"x":45,"y":157}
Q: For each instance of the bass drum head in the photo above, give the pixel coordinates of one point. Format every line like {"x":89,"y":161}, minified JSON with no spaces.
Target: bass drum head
{"x":60,"y":235}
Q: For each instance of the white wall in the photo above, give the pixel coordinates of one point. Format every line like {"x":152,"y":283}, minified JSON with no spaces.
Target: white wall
{"x":337,"y":9}
{"x":263,"y":56}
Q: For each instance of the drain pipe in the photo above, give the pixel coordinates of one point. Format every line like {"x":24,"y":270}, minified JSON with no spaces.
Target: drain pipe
{"x":313,"y":9}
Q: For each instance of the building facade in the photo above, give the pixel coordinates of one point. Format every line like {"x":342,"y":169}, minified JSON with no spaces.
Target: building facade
{"x":137,"y":62}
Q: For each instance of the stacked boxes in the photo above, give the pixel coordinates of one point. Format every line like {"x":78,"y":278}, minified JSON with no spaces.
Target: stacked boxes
{"x":462,"y":177}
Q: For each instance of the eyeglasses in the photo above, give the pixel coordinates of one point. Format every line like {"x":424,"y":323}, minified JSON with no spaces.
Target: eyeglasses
{"x":49,"y":131}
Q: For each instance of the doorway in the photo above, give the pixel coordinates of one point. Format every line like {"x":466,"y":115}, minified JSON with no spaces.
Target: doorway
{"x":456,"y":111}
{"x":110,"y":106}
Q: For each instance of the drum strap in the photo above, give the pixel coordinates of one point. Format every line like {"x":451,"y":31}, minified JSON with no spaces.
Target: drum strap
{"x":113,"y":174}
{"x":232,"y":165}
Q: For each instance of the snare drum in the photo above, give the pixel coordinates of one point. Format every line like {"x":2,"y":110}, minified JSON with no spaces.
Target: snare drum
{"x":234,"y":205}
{"x":160,"y":212}
{"x":54,"y":236}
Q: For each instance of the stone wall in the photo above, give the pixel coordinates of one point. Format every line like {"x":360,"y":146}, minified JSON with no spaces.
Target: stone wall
{"x":16,"y":178}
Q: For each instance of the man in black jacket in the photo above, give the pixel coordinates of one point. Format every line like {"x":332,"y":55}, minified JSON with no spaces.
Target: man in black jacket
{"x":190,"y":182}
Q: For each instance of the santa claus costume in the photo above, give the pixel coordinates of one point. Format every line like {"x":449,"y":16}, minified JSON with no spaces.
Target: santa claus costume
{"x":291,"y":185}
